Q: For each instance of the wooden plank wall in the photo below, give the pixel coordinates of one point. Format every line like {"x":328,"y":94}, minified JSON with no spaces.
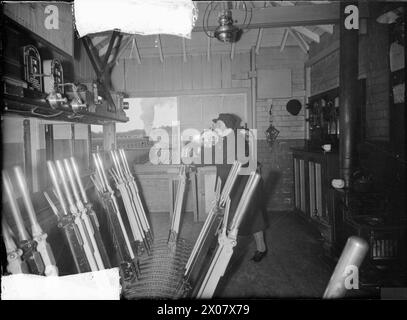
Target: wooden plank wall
{"x":83,"y":67}
{"x":152,"y":77}
{"x":32,"y":16}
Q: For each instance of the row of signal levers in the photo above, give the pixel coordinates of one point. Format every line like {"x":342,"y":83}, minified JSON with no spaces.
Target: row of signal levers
{"x":26,"y":253}
{"x":79,"y":222}
{"x":81,"y":228}
{"x":69,"y":202}
{"x":127,"y":248}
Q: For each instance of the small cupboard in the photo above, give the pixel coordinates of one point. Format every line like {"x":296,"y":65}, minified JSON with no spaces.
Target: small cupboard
{"x":313,"y":194}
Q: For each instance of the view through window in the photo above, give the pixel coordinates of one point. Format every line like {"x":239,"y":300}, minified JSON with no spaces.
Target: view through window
{"x":144,"y":115}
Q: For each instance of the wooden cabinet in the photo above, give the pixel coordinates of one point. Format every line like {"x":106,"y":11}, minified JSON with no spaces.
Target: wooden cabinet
{"x":323,"y":119}
{"x":313,"y":194}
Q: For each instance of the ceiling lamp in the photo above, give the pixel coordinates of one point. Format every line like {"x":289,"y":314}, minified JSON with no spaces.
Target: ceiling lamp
{"x":226,"y":31}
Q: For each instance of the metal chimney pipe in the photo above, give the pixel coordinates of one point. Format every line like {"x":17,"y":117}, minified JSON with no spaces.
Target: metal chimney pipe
{"x":348,"y":84}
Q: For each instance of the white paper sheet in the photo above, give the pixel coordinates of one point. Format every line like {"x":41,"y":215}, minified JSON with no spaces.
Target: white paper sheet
{"x":176,"y":17}
{"x":99,"y":285}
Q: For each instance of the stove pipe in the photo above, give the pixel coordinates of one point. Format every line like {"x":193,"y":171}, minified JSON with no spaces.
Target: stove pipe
{"x":348,"y":84}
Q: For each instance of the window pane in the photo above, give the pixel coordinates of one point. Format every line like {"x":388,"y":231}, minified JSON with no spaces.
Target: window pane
{"x":145,"y":114}
{"x":96,"y":133}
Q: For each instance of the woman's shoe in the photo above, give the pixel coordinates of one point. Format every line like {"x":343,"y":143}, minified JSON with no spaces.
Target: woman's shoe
{"x":258,"y":255}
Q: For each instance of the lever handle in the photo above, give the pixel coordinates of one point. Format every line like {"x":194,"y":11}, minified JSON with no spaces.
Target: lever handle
{"x":78,"y":179}
{"x":35,"y":226}
{"x":15,"y":210}
{"x":54,"y":178}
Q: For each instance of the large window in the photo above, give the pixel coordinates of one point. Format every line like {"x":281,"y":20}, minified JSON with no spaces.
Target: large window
{"x":146,"y":114}
{"x":197,"y":111}
{"x":186,"y":111}
{"x":96,"y":138}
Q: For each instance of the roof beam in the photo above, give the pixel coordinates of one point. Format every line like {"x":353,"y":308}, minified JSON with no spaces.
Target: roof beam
{"x":327,"y":28}
{"x":134,"y":47}
{"x":308,"y":33}
{"x":284,"y":40}
{"x":115,"y":35}
{"x":101,"y":74}
{"x":102,"y":43}
{"x":301,"y":42}
{"x":160,"y":49}
{"x":258,"y":43}
{"x":97,"y":40}
{"x":306,"y":45}
{"x":103,"y":50}
{"x":121,"y":51}
{"x":284,"y":3}
{"x":282,"y":16}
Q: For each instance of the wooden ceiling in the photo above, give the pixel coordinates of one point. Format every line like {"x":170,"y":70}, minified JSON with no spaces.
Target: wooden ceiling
{"x":273,"y":24}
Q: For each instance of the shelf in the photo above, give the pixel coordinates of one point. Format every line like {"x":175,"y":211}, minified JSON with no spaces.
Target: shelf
{"x":39,"y":108}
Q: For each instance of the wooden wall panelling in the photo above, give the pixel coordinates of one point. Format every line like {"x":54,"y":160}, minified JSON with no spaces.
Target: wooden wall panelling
{"x":206,"y":73}
{"x":169,"y":72}
{"x":118,"y":75}
{"x":240,"y":66}
{"x":32,"y":16}
{"x":160,"y":76}
{"x":129,"y":78}
{"x":197,"y":80}
{"x":177,"y":75}
{"x":83,"y":67}
{"x":216,"y":71}
{"x":226,"y":71}
{"x":146,"y":73}
{"x":274,"y":83}
{"x":187,"y":75}
{"x":133,"y":73}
